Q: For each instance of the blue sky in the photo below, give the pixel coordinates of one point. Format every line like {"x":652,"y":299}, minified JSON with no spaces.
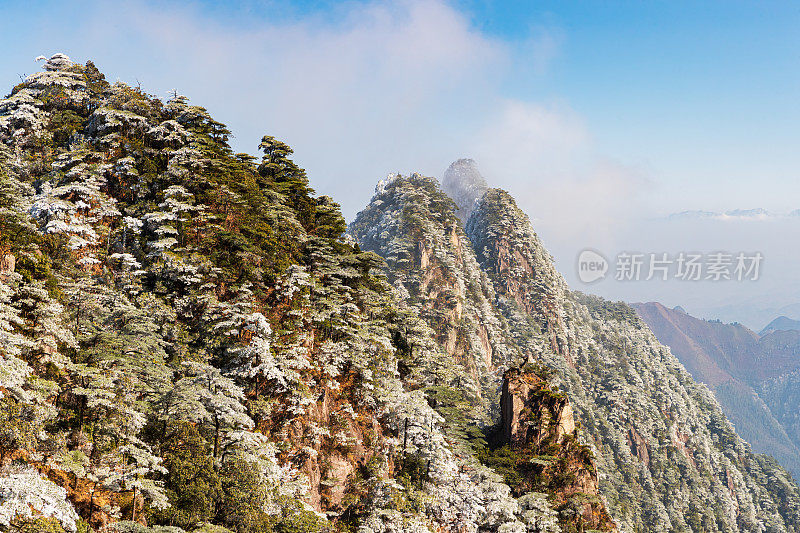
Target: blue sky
{"x":597,"y":116}
{"x":701,"y":94}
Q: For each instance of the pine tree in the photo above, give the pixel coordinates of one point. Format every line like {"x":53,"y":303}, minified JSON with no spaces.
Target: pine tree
{"x":208,"y":398}
{"x":13,"y":371}
{"x":255,"y":361}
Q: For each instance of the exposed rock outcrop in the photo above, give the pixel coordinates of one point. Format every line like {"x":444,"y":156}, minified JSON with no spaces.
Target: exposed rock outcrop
{"x":533,"y":413}
{"x":463,"y":182}
{"x":538,"y":426}
{"x":7,"y":265}
{"x":520,"y":267}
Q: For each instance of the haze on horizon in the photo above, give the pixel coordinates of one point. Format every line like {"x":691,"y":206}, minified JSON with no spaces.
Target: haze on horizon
{"x":601,"y":118}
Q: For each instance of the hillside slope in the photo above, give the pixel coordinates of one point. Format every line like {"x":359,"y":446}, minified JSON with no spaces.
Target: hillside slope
{"x":751,"y":375}
{"x":667,"y":458}
{"x":189,"y":342}
{"x":430,"y":261}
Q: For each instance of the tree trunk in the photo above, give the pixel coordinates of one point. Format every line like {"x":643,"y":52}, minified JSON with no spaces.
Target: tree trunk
{"x":405,"y":438}
{"x":133,"y":506}
{"x":216,"y":437}
{"x":81,"y":407}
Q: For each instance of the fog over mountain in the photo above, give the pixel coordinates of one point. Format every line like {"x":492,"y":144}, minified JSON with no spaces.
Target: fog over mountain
{"x":583,"y":158}
{"x":753,"y":302}
{"x":463,"y":182}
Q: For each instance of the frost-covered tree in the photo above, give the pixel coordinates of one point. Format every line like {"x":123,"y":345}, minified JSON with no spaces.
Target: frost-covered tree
{"x":255,"y":360}
{"x":26,"y":494}
{"x":167,"y":224}
{"x":138,"y":462}
{"x":44,"y":323}
{"x":13,"y":370}
{"x":11,"y":340}
{"x":208,"y":398}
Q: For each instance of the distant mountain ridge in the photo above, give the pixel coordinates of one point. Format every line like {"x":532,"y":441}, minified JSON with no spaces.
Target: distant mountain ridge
{"x":782,"y":323}
{"x":757,"y":213}
{"x":739,"y":365}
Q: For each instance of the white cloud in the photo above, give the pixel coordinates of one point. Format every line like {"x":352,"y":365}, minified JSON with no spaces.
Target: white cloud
{"x":528,"y":133}
{"x":735,"y":215}
{"x":405,"y":86}
{"x":541,"y":49}
{"x":408,"y":86}
{"x":382,"y":87}
{"x":379,"y":87}
{"x":545,"y":156}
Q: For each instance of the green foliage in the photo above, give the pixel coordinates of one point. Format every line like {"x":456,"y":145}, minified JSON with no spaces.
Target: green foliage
{"x":603,"y":309}
{"x":39,"y":525}
{"x":328,"y":219}
{"x":412,"y":471}
{"x":19,"y":427}
{"x":538,"y":369}
{"x":296,"y":519}
{"x":505,"y":461}
{"x":286,"y":178}
{"x":211,"y":528}
{"x":192,"y":483}
{"x":456,"y":407}
{"x":242,"y":506}
{"x":95,"y":80}
{"x":64,"y":123}
{"x":126,"y":526}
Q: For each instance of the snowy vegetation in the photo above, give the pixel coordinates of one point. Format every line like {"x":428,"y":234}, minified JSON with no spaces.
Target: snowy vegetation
{"x":667,"y":458}
{"x":190,"y":342}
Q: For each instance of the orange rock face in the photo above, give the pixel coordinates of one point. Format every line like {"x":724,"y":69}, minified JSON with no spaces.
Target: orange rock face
{"x":538,"y":425}
{"x":7,"y":264}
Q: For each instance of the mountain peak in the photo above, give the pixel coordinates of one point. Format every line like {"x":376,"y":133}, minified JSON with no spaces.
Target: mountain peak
{"x":56,"y":62}
{"x":464,"y":183}
{"x":782,"y":323}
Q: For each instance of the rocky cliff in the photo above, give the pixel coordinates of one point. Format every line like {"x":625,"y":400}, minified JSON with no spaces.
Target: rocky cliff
{"x":189,"y":342}
{"x":651,"y":429}
{"x":537,"y":432}
{"x":654,"y":429}
{"x":431,"y":262}
{"x":413,"y":225}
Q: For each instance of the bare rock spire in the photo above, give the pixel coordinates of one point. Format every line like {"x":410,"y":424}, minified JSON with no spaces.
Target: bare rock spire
{"x":463,"y":183}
